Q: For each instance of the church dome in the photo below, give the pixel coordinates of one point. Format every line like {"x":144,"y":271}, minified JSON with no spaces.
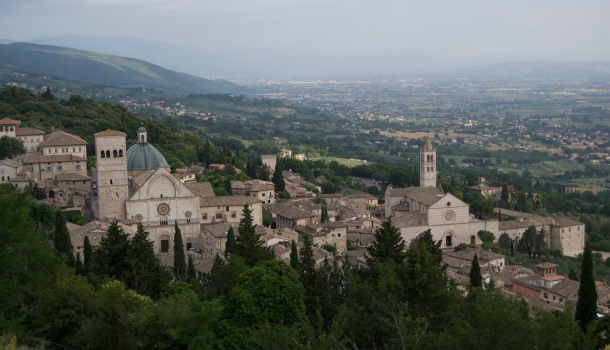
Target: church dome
{"x":141,"y":129}
{"x":144,"y":156}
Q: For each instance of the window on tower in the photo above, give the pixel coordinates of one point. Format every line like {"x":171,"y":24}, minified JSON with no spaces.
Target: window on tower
{"x":120,"y":153}
{"x":114,"y":154}
{"x":102,"y":154}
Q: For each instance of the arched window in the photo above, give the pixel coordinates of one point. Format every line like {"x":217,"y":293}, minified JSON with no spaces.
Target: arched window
{"x":141,"y":138}
{"x":120,"y":153}
{"x":114,"y":154}
{"x":107,"y":154}
{"x":102,"y":154}
{"x":218,"y":215}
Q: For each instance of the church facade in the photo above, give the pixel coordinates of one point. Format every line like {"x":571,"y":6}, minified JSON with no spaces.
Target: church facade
{"x":135,"y":185}
{"x":416,"y":209}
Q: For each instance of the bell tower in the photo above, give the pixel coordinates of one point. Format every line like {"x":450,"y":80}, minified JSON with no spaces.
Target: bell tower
{"x":111,"y":168}
{"x":427,"y":165}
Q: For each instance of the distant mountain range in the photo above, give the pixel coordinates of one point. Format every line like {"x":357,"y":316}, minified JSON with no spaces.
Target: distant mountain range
{"x":97,"y":68}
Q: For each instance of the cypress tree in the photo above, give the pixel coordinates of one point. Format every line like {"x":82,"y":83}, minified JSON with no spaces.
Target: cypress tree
{"x":61,"y":239}
{"x":179,"y":258}
{"x":476,"y":280}
{"x":294,"y":256}
{"x":87,"y":255}
{"x":190,"y":271}
{"x":278,"y":180}
{"x":230,"y":244}
{"x":311,"y":278}
{"x":586,"y":308}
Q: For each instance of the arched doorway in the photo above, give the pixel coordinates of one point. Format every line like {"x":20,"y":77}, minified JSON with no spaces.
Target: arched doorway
{"x":164,"y":243}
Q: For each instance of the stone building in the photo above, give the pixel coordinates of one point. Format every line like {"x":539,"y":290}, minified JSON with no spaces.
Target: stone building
{"x":136,"y":185}
{"x":417,"y":209}
{"x":331,"y":233}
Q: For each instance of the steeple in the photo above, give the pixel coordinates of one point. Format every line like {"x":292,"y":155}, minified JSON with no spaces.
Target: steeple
{"x":427,"y":165}
{"x":142,"y":135}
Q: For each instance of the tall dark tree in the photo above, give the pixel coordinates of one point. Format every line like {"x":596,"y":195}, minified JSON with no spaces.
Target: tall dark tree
{"x":248,"y":244}
{"x":388,"y":244}
{"x":586,"y":307}
{"x":476,"y":280}
{"x":278,"y":180}
{"x":527,"y":242}
{"x":87,"y":255}
{"x":47,"y":95}
{"x":144,"y":273}
{"x":294,"y":256}
{"x":311,"y":279}
{"x":190,"y":270}
{"x":505,"y":242}
{"x":230,"y":244}
{"x":179,"y":257}
{"x":61,"y":239}
{"x":324,"y":216}
{"x":110,"y":258}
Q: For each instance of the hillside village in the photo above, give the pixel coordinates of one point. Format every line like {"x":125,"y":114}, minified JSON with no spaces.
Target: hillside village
{"x":135,"y":185}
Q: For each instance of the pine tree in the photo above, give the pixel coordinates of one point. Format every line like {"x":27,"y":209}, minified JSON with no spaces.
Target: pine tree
{"x":144,"y":273}
{"x":324,"y":216}
{"x":87,"y":255}
{"x":78,"y":264}
{"x":294,"y":256}
{"x":61,"y":240}
{"x":179,"y":258}
{"x":476,"y":280}
{"x":190,"y":271}
{"x":278,"y":180}
{"x":110,"y":258}
{"x":586,"y":307}
{"x":230,"y":244}
{"x":310,"y":277}
{"x":388,"y":244}
{"x":248,"y":244}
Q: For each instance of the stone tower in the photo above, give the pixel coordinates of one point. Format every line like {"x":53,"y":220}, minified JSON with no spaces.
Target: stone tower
{"x":111,"y":167}
{"x":427,"y":165}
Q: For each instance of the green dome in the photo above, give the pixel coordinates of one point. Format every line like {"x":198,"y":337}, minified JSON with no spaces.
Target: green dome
{"x":144,"y":156}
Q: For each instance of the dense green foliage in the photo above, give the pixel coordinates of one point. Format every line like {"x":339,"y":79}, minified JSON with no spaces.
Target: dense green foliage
{"x":11,"y":147}
{"x":476,"y":280}
{"x":388,"y":244}
{"x":248,"y":244}
{"x":586,"y":308}
{"x":179,"y":257}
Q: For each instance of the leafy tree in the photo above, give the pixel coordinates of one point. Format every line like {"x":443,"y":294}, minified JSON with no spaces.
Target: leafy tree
{"x":270,"y":292}
{"x":540,"y":242}
{"x":26,"y":263}
{"x":267,"y":217}
{"x":110,"y":257}
{"x":248,"y":244}
{"x":230,"y":244}
{"x":11,"y":147}
{"x":278,"y":180}
{"x":486,"y":236}
{"x":311,"y":280}
{"x":586,"y":307}
{"x":527,"y":241}
{"x":388,"y":244}
{"x":144,"y":272}
{"x":179,"y":258}
{"x":476,"y":280}
{"x":505,"y":242}
{"x":61,"y":239}
{"x":294,"y":256}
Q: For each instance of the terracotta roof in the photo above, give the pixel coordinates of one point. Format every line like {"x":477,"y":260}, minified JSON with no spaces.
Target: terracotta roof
{"x":60,"y":138}
{"x":218,"y":230}
{"x":7,"y":121}
{"x":546,"y":264}
{"x":28,"y":132}
{"x":288,"y":211}
{"x":425,"y":195}
{"x":109,"y":132}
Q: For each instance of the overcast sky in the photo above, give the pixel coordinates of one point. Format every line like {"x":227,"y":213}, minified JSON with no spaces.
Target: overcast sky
{"x":477,"y":30}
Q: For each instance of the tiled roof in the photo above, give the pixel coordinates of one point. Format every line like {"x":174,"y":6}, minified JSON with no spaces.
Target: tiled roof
{"x":288,"y":211}
{"x":424,"y":195}
{"x":28,"y":132}
{"x":482,"y":255}
{"x":109,"y":132}
{"x":7,"y":121}
{"x":71,"y":177}
{"x":218,"y":230}
{"x":533,"y":282}
{"x":61,"y":138}
{"x":201,"y":189}
{"x":228,"y":200}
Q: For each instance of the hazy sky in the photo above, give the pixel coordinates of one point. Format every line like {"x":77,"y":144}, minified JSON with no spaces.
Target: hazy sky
{"x":477,"y":30}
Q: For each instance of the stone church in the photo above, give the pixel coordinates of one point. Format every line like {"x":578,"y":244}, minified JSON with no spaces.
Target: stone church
{"x":416,"y":209}
{"x":135,"y":185}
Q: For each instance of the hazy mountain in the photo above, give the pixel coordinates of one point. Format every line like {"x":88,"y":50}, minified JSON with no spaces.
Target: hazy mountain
{"x":97,"y":68}
{"x":180,"y":58}
{"x":537,"y":69}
